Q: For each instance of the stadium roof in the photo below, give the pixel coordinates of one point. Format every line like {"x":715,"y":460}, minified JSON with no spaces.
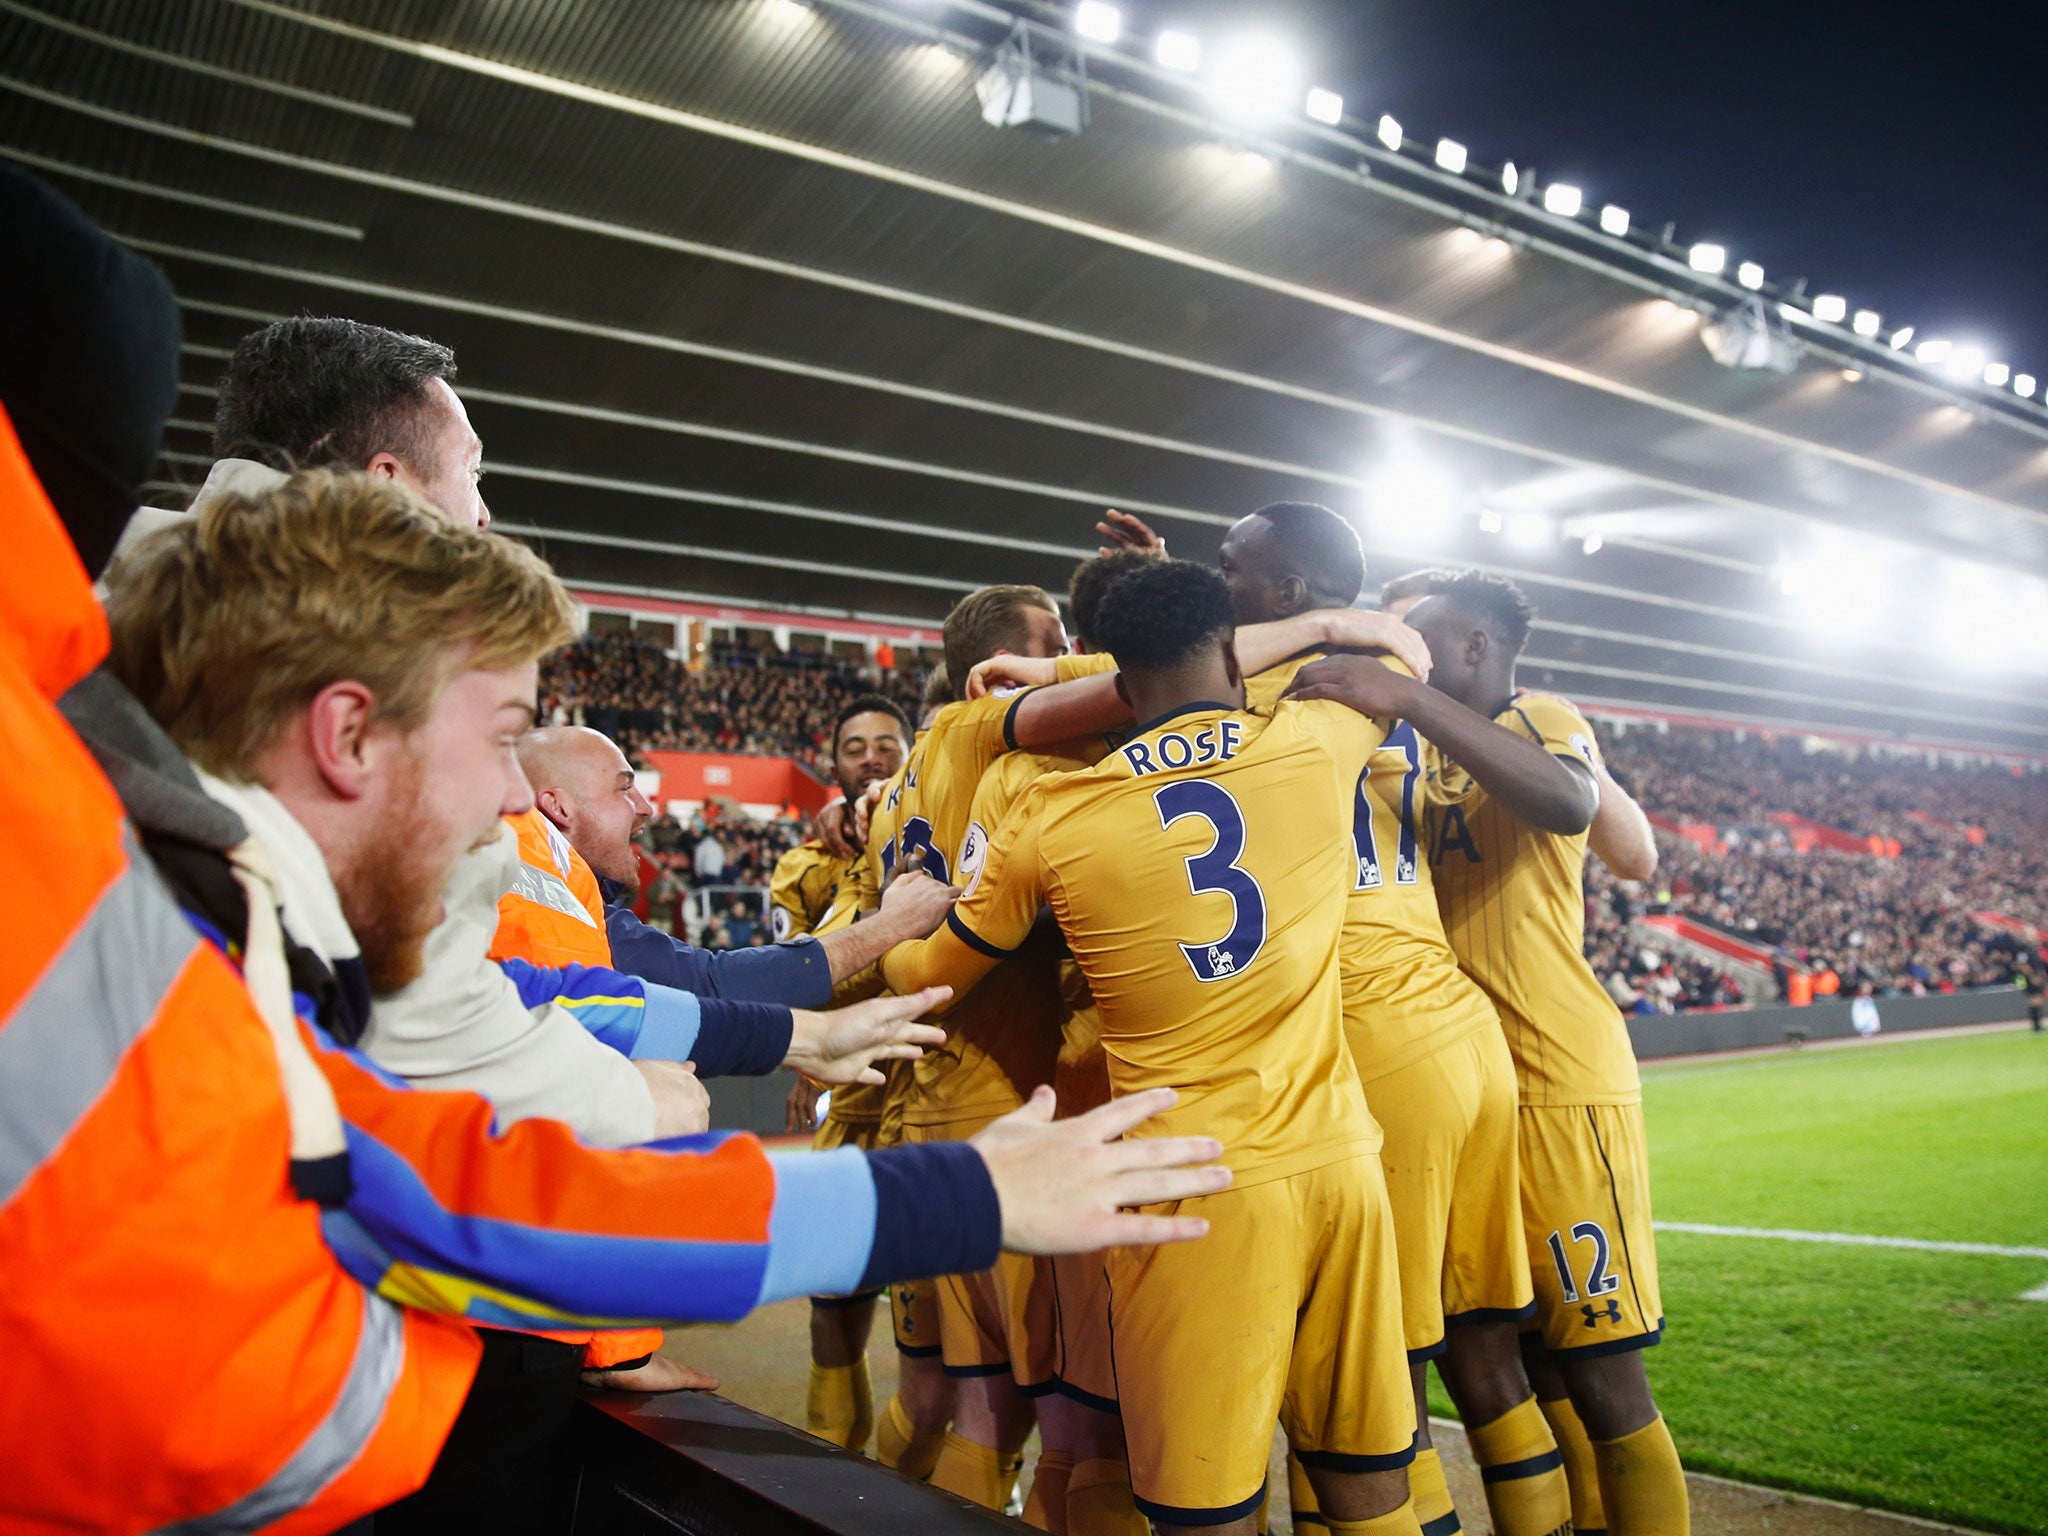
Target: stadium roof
{"x":751,"y":303}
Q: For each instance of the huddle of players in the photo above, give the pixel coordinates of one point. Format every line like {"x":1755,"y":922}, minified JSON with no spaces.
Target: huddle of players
{"x":1339,"y":910}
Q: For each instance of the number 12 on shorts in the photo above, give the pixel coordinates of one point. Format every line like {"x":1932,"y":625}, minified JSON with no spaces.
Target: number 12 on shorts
{"x":1598,"y":1280}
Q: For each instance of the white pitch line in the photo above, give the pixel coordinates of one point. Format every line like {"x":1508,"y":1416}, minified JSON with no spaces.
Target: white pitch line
{"x":1865,"y":1240}
{"x":1854,"y":1239}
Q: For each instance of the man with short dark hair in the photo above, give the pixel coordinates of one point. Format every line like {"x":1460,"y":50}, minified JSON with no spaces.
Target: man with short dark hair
{"x":320,"y":392}
{"x":1513,"y":789}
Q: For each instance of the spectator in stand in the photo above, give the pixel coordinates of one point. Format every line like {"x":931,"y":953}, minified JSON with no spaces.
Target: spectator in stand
{"x":709,"y":858}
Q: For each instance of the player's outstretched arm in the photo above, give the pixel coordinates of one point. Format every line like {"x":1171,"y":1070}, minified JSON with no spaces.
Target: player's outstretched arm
{"x":1550,"y":793}
{"x":1620,"y":836}
{"x":912,"y":906}
{"x":943,"y":960}
{"x":1260,"y":646}
{"x":842,"y":1046}
{"x":1067,"y":1186}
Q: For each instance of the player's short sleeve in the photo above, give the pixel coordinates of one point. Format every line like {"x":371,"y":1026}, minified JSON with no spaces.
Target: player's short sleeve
{"x":996,"y":916}
{"x":1347,"y":735}
{"x":1093,"y":664}
{"x":980,"y":730}
{"x":787,"y":915}
{"x":1558,"y":727}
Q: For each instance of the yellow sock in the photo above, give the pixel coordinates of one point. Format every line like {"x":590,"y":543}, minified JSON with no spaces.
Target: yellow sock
{"x":841,"y":1406}
{"x":1099,"y":1501}
{"x":1434,"y":1510}
{"x":1046,"y":1509}
{"x":1301,"y":1494}
{"x":972,"y":1471}
{"x":1395,"y":1522}
{"x":898,"y":1445}
{"x":1589,"y":1514}
{"x":1523,"y":1471}
{"x":1642,"y":1483}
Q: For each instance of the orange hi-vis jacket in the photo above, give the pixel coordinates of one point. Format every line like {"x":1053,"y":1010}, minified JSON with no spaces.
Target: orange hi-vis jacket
{"x":285,"y":1362}
{"x":554,"y":914}
{"x":552,"y":917}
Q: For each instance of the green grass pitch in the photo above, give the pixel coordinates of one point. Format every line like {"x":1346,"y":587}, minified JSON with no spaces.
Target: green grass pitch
{"x":1911,"y":1380}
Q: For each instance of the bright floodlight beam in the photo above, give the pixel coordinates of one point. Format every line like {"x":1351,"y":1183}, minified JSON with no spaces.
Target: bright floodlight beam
{"x":1562,"y":200}
{"x":1510,"y":181}
{"x":1902,"y":338}
{"x":1995,"y":374}
{"x":1530,"y":530}
{"x":1256,"y":78}
{"x":1450,"y":156}
{"x":1750,"y":274}
{"x":1097,"y":22}
{"x":1614,"y":220}
{"x":1933,"y":350}
{"x":1830,"y":307}
{"x":1867,"y":322}
{"x":2023,"y":385}
{"x":1707,"y":258}
{"x":1390,"y":131}
{"x":1178,"y":50}
{"x":1325,"y":106}
{"x":1489,"y":520}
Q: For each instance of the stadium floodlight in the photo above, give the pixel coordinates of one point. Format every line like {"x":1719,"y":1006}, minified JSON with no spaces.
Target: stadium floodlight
{"x":1510,"y":179}
{"x":1750,"y":275}
{"x":1932,"y":350}
{"x":1530,"y":530}
{"x":1450,"y":156}
{"x":1097,"y":22}
{"x":2023,"y":385}
{"x":1325,"y":106}
{"x":1995,"y":374}
{"x":1489,"y":520}
{"x":1390,"y":130}
{"x":1033,"y":87}
{"x":1709,"y":258}
{"x":1562,"y":200}
{"x":1866,"y":322}
{"x":1965,"y":363}
{"x":1256,"y":77}
{"x":1614,"y":220}
{"x":1178,"y":50}
{"x":1749,"y":336}
{"x":1902,"y":338}
{"x":1831,"y":307}
{"x":1592,"y":543}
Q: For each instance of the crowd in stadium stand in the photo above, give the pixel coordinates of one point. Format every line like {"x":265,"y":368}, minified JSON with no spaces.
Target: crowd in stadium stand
{"x":1968,"y":838}
{"x":641,"y":696}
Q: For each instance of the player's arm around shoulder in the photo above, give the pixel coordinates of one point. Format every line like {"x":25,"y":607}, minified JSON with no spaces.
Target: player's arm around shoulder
{"x":992,"y":921}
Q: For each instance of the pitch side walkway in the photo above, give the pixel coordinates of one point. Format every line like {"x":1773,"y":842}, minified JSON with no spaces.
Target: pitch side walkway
{"x":764,"y":1363}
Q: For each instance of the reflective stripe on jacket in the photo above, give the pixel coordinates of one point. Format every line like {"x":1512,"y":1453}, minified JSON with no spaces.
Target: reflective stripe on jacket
{"x":553,"y":915}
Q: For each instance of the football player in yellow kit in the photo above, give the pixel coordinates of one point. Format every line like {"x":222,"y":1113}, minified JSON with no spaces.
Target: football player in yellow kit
{"x":1513,"y":792}
{"x":1197,"y":874}
{"x":870,"y":738}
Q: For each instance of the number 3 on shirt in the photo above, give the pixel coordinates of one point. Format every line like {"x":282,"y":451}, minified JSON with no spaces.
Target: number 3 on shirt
{"x":1216,"y":869}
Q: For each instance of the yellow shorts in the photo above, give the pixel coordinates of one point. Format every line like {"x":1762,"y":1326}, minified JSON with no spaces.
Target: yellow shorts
{"x":1291,"y":1309}
{"x":833,"y":1132}
{"x":1000,"y":1320}
{"x":1081,"y":1367}
{"x":1586,"y":1214}
{"x":914,"y":1312}
{"x":1451,"y":1180}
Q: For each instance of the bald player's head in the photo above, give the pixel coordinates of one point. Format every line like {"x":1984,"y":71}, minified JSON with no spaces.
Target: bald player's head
{"x":584,"y":785}
{"x":1290,"y":557}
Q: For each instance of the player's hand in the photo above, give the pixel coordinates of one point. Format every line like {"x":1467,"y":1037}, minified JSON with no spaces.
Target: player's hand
{"x":834,"y":827}
{"x":682,"y":1106}
{"x":1120,"y":530}
{"x":864,"y":812}
{"x":913,"y":903}
{"x":1360,"y":682}
{"x":1381,"y":631}
{"x":840,"y":1046}
{"x":1007,"y":671}
{"x":1065,"y":1185}
{"x":800,"y":1111}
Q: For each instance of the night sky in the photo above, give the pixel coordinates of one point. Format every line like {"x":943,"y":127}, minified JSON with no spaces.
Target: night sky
{"x":1888,"y":152}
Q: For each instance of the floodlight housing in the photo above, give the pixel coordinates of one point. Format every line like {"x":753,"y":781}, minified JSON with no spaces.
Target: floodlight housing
{"x":1562,"y":200}
{"x":1830,"y":307}
{"x":1751,"y":275}
{"x":1614,"y":220}
{"x":1866,"y":322}
{"x":1592,"y":544}
{"x":1933,"y":350}
{"x":1022,"y":89}
{"x":1707,"y":257}
{"x":1178,"y":50}
{"x":1510,"y":179}
{"x":1489,"y":520}
{"x":1098,"y":22}
{"x":2023,"y":385}
{"x":1325,"y":106}
{"x":1390,"y":131}
{"x":1901,"y":338}
{"x":1995,"y":374}
{"x":1450,"y":156}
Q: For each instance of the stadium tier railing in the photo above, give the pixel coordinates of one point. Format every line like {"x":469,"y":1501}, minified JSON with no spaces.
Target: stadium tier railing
{"x":694,"y":1462}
